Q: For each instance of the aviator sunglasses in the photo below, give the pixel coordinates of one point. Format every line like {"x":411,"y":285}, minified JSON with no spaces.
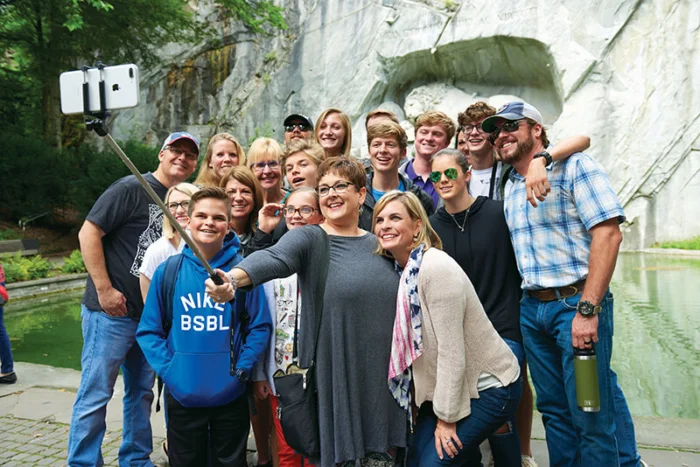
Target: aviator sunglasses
{"x":450,"y":173}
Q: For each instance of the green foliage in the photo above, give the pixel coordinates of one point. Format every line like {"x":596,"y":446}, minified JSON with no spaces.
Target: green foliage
{"x":270,"y":56}
{"x":74,"y":263}
{"x":267,"y":78}
{"x":21,"y":268}
{"x":42,"y":178}
{"x":260,"y":16}
{"x":689,"y":244}
{"x":9,"y":234}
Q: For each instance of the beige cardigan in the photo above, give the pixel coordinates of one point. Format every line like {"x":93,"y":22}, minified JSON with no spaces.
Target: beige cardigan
{"x":459,"y":341}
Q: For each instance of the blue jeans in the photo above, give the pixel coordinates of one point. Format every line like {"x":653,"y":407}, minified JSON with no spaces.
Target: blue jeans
{"x":505,"y":447}
{"x":491,"y":410}
{"x":110,"y":344}
{"x":576,"y":438}
{"x":8,"y":365}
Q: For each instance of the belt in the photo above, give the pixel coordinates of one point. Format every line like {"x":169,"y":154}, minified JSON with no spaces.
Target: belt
{"x":555,"y":293}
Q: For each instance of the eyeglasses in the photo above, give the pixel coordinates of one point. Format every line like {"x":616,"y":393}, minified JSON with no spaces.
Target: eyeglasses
{"x":508,"y":127}
{"x":260,"y":166}
{"x":450,"y":173}
{"x":304,"y":211}
{"x":301,"y":126}
{"x":182,"y":204}
{"x":338,"y":187}
{"x":190,"y":156}
{"x":469,"y":128}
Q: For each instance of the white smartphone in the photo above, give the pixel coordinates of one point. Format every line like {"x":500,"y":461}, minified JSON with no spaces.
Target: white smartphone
{"x":121,"y":88}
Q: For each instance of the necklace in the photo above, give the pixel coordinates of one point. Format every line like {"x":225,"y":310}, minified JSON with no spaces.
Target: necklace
{"x":464,"y":223}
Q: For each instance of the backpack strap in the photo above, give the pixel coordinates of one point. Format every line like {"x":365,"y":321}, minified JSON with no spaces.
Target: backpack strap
{"x":167,"y":294}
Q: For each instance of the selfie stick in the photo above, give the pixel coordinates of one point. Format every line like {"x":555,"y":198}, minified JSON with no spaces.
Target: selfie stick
{"x":96,"y":123}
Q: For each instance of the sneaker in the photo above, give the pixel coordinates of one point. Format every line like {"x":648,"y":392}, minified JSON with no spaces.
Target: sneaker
{"x":10,"y":378}
{"x":528,"y":461}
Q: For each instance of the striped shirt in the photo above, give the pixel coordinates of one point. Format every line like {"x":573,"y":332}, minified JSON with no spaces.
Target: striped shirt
{"x":552,"y":241}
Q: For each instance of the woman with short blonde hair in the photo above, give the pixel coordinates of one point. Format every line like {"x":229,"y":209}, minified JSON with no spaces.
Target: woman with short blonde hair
{"x":264,"y":158}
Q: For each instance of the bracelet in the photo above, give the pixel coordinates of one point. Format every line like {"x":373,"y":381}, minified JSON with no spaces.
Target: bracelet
{"x":232,"y":278}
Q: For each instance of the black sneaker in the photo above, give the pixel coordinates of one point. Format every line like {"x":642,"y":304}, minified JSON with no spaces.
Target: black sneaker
{"x":9,"y":379}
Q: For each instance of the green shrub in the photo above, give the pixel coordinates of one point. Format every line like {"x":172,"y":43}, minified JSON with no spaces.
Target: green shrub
{"x":74,"y":263}
{"x":25,"y":268}
{"x":9,"y":234}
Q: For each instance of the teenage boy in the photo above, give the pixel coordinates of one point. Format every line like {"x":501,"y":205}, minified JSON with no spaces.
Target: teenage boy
{"x":434,"y":131}
{"x":387,"y":143}
{"x":186,"y":337}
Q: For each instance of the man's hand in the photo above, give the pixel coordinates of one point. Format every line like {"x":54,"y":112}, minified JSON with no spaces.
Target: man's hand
{"x":261,"y":390}
{"x":584,"y":331}
{"x":269,"y":217}
{"x":536,"y":183}
{"x":112,"y":301}
{"x":220,"y":293}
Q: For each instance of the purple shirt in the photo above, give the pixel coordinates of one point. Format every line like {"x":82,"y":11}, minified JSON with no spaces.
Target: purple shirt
{"x":426,"y":186}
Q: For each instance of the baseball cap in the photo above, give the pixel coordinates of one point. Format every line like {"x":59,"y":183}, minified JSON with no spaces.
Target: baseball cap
{"x":177,"y":136}
{"x":511,"y":111}
{"x":297,"y":117}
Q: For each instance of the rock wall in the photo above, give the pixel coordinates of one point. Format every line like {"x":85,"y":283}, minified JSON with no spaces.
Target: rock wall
{"x":625,"y":72}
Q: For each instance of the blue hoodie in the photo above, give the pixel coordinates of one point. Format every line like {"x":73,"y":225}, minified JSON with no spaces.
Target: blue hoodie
{"x":193,"y":359}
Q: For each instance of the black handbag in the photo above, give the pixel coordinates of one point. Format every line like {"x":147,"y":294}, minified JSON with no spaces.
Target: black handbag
{"x":297,"y":408}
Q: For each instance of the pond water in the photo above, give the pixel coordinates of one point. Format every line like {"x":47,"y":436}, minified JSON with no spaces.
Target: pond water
{"x":657,"y":334}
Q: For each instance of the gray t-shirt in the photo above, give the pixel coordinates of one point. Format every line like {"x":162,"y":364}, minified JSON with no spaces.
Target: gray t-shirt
{"x":357,"y":413}
{"x":131,"y":222}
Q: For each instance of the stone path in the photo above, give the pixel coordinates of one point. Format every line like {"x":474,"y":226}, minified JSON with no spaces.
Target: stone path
{"x":35,"y":416}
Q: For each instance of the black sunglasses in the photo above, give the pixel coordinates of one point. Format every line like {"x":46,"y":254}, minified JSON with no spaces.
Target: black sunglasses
{"x":301,"y":126}
{"x":509,"y":127}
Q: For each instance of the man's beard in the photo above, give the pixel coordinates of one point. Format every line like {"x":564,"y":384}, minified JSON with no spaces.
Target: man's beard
{"x":524,"y":148}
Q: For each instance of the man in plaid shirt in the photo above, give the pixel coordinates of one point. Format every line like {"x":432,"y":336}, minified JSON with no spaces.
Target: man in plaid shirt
{"x":566,"y":249}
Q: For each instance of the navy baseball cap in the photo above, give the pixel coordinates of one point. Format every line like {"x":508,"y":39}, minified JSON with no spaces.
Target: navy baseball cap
{"x":177,"y":136}
{"x":297,"y":118}
{"x":511,"y":111}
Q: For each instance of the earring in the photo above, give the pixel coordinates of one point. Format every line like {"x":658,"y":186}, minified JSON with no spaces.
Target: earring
{"x":415,"y":238}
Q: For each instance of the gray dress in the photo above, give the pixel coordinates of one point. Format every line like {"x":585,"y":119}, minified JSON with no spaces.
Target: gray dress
{"x":357,"y":299}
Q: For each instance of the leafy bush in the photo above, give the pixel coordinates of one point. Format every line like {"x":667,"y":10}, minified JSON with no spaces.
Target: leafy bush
{"x":74,"y":263}
{"x":9,"y":234}
{"x":40,"y":178}
{"x":22,"y":268}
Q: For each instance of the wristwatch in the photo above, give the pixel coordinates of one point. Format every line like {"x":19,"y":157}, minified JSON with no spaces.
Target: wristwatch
{"x":242,"y":375}
{"x":588,"y":309}
{"x":545,"y":154}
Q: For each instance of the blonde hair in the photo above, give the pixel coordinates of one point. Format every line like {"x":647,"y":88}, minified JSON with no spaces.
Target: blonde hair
{"x":266,"y":148}
{"x":306,"y":189}
{"x":415,"y":209}
{"x":344,"y":121}
{"x":244,"y":175}
{"x":435,"y":117}
{"x":206,"y":175}
{"x":184,"y":188}
{"x":310,"y":148}
{"x":387,"y":130}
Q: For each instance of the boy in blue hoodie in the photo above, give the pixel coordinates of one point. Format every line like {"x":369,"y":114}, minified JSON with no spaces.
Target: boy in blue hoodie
{"x":204,"y":401}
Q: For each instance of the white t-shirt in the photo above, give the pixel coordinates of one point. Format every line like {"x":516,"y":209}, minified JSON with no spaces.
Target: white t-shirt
{"x":159,"y":251}
{"x":287,"y":304}
{"x":480,"y":183}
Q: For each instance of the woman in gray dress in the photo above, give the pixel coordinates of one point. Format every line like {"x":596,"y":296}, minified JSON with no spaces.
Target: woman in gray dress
{"x":356,"y":299}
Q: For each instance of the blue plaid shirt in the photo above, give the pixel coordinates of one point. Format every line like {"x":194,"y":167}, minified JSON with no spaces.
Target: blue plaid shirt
{"x":551,"y":241}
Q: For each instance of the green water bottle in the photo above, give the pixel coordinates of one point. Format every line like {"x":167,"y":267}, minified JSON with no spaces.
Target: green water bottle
{"x":586,"y":371}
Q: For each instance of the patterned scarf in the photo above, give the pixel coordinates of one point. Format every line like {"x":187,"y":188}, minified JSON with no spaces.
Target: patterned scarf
{"x":407,"y":339}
